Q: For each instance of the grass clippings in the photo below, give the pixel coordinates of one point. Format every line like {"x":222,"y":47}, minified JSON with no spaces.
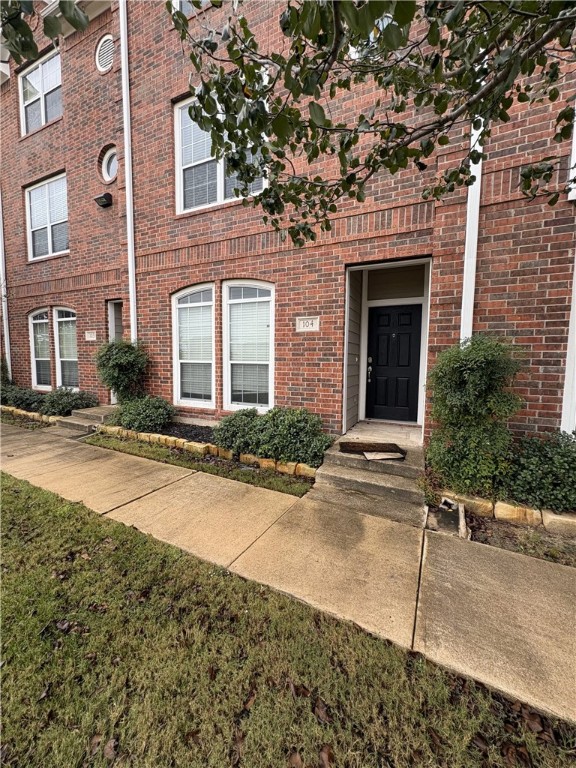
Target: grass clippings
{"x":122,"y":651}
{"x":233,"y":470}
{"x":535,"y":542}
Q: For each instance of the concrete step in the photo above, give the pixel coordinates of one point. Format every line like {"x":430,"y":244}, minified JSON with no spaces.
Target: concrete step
{"x":392,"y":487}
{"x":412,"y":466}
{"x":82,"y":426}
{"x":378,"y":506}
{"x":97,"y":414}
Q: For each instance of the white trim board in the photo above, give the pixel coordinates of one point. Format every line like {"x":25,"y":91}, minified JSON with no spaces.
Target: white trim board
{"x":568,"y":422}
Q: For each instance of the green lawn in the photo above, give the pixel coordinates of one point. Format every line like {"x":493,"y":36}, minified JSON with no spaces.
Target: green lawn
{"x":120,"y":650}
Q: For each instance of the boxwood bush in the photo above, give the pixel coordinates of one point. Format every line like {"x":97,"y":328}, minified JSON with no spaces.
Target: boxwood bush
{"x":544,"y":472}
{"x":284,"y":434}
{"x":62,"y":401}
{"x":22,"y":397}
{"x":146,"y":414}
{"x":121,"y":366}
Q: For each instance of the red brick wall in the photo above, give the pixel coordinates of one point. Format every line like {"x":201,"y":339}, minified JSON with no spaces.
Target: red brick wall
{"x":525,"y":256}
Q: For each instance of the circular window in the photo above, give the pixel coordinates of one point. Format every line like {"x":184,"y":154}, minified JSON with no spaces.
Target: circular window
{"x":105,"y":54}
{"x":109,"y":165}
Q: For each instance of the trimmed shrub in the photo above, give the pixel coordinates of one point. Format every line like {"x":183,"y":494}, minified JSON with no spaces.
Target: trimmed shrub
{"x":147,"y":414}
{"x":121,"y":366}
{"x":237,"y":433}
{"x":471,"y":446}
{"x":22,"y":397}
{"x":284,"y":434}
{"x":544,"y":472}
{"x":5,"y":380}
{"x":62,"y":401}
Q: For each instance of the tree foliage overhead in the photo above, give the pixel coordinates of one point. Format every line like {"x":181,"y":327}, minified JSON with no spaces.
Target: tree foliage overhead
{"x":436,"y":69}
{"x":17,"y":32}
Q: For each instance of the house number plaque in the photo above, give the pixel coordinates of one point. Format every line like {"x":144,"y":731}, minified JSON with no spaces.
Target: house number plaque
{"x":307,"y":324}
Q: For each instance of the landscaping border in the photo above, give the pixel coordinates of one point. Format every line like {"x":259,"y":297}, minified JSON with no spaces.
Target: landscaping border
{"x":32,"y":415}
{"x":518,"y":514}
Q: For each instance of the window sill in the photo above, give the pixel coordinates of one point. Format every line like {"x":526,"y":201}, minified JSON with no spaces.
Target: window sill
{"x":49,"y":257}
{"x":210,"y":207}
{"x":37,"y":130}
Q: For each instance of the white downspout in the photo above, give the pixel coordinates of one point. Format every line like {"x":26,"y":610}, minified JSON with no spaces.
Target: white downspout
{"x":4,"y":288}
{"x":471,"y":244}
{"x":126,"y":121}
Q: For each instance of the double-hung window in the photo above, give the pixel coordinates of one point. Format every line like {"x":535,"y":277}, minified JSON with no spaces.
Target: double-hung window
{"x":41,"y":93}
{"x":193,"y":333}
{"x":66,"y":348}
{"x":40,"y":350}
{"x":47,"y":210}
{"x":201,"y":180}
{"x":248,"y":345}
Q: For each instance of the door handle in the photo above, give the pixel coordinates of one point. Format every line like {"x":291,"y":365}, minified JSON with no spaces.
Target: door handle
{"x":369,"y":374}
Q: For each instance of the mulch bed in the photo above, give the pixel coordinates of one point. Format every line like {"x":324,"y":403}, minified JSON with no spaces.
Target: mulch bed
{"x":192,"y":432}
{"x":536,"y":542}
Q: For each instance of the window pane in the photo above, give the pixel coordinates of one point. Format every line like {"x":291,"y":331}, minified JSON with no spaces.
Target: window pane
{"x":31,"y":85}
{"x":231,"y":182}
{"x":67,"y":339}
{"x":33,"y":116}
{"x":196,"y":381}
{"x":40,"y":243}
{"x":57,"y":203}
{"x":112,"y":166}
{"x":184,"y":6}
{"x":250,"y":384}
{"x":196,"y":143}
{"x":51,"y":74}
{"x":197,"y":297}
{"x":41,"y":343}
{"x":250,"y":332}
{"x":43,"y":373}
{"x":53,"y":104}
{"x":200,"y":185}
{"x":69,"y":373}
{"x":38,"y":207}
{"x":195,"y":333}
{"x":60,"y":237}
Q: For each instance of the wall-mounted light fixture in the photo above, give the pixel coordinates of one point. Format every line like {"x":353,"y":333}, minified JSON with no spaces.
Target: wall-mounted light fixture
{"x":104,"y":200}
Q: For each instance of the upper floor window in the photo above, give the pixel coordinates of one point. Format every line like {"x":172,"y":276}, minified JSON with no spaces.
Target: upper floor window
{"x":184,"y":7}
{"x":66,"y":348}
{"x":193,"y":332}
{"x":248,"y":345}
{"x":47,"y":210}
{"x":200,"y":179}
{"x":40,"y":350}
{"x":41,"y":93}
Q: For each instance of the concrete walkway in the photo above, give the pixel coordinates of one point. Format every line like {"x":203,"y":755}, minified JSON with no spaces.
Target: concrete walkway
{"x":502,"y":618}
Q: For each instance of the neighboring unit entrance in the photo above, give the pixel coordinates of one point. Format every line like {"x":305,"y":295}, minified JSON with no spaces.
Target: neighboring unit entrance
{"x":393,"y":362}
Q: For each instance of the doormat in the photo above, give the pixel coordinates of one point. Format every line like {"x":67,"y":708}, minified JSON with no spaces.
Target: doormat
{"x":373,"y":450}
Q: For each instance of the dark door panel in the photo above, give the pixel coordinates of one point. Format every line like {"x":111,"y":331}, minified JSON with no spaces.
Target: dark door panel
{"x":394,"y":335}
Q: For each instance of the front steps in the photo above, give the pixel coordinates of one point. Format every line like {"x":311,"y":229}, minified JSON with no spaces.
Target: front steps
{"x":382,"y":488}
{"x":85,"y":421}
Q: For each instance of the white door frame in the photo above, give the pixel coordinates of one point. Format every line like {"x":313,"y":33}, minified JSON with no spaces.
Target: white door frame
{"x":112,"y":333}
{"x":424,"y":301}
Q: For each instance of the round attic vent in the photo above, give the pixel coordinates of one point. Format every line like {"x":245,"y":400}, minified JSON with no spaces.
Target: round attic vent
{"x":105,"y":53}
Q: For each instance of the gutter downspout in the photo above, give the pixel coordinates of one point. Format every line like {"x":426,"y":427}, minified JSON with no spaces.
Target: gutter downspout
{"x":471,"y":245}
{"x":127,"y":125}
{"x":4,"y":288}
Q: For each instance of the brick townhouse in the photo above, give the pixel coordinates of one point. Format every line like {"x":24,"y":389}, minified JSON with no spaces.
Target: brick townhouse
{"x":117,"y":223}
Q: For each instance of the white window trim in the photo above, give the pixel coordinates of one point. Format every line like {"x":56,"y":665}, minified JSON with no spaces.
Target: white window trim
{"x":188,"y":402}
{"x":56,"y":321}
{"x":105,"y":160}
{"x":21,"y":76}
{"x":226,"y":377}
{"x":31,"y":316}
{"x":220,"y":174}
{"x":31,"y":256}
{"x":572,"y":165}
{"x":105,"y":38}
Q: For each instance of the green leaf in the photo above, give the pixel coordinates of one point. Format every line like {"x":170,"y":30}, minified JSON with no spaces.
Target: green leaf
{"x":52,"y":27}
{"x":73,"y":14}
{"x":404,"y":12}
{"x":392,"y":36}
{"x":317,"y":114}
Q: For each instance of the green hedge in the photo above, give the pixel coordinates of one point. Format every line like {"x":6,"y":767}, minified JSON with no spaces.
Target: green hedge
{"x":22,"y":397}
{"x":62,"y":401}
{"x":147,"y":414}
{"x":121,"y":366}
{"x":283,"y":434}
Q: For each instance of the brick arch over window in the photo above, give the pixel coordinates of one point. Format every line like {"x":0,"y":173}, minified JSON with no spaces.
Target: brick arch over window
{"x":193,"y":345}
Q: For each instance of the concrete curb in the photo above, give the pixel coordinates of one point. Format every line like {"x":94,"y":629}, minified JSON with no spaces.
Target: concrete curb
{"x":203,"y":449}
{"x":32,"y":415}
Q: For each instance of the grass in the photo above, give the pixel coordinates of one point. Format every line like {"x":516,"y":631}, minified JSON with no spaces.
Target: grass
{"x":22,"y":421}
{"x":121,"y":650}
{"x":233,"y":470}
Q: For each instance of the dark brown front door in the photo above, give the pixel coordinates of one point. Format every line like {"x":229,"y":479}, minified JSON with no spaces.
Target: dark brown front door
{"x":393,"y":362}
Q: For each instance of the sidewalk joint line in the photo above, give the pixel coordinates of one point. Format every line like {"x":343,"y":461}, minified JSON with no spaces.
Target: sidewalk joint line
{"x":231,"y":563}
{"x":420,"y":571}
{"x":137,"y":498}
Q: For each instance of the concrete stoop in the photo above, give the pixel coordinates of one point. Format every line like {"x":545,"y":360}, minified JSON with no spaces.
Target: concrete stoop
{"x":381,"y":488}
{"x":85,"y":421}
